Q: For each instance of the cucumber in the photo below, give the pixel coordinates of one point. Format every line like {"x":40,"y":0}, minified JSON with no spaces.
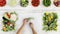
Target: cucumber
{"x":46,"y":3}
{"x":24,"y":3}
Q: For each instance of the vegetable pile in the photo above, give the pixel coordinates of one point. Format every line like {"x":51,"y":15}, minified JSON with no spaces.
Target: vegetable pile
{"x":9,"y":20}
{"x":24,"y":3}
{"x":57,"y":3}
{"x":35,"y":3}
{"x":50,"y":21}
{"x":2,"y":3}
{"x":46,"y":3}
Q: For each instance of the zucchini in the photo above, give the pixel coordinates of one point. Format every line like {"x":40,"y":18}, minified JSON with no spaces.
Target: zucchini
{"x":46,"y":3}
{"x":24,"y":3}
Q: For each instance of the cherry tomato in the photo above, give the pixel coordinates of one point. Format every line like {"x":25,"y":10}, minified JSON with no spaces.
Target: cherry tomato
{"x":2,"y":3}
{"x":35,"y":3}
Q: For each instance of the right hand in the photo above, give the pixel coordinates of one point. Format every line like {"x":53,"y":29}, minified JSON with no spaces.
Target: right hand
{"x":31,"y":25}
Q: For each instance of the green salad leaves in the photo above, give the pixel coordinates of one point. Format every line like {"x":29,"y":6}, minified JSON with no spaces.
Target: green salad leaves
{"x":50,"y":21}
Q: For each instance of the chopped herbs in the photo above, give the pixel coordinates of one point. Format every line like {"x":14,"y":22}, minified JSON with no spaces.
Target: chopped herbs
{"x":35,"y":3}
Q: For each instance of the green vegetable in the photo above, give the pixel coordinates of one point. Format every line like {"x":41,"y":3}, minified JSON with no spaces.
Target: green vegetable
{"x":24,"y":3}
{"x":46,"y":3}
{"x":8,"y":24}
{"x":50,"y":21}
{"x":30,"y":18}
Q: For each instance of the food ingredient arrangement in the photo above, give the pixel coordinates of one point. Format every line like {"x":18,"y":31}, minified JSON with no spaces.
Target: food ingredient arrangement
{"x":9,"y":19}
{"x":50,"y":21}
{"x":35,"y":3}
{"x":49,"y":18}
{"x":46,"y":3}
{"x":24,"y":3}
{"x":12,"y":3}
{"x":57,"y":3}
{"x":2,"y":3}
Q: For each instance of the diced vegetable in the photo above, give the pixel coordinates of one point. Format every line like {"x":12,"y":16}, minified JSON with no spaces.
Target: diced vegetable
{"x":8,"y":23}
{"x":24,"y":3}
{"x":35,"y":3}
{"x":2,"y":3}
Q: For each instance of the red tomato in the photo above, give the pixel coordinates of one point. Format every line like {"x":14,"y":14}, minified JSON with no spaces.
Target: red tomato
{"x":2,"y":3}
{"x":35,"y":3}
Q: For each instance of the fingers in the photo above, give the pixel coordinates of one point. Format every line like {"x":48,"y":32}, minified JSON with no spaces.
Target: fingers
{"x":25,"y":20}
{"x":31,"y":25}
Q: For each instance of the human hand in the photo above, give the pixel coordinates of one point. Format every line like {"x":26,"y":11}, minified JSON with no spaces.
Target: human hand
{"x":31,"y":25}
{"x":25,"y":21}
